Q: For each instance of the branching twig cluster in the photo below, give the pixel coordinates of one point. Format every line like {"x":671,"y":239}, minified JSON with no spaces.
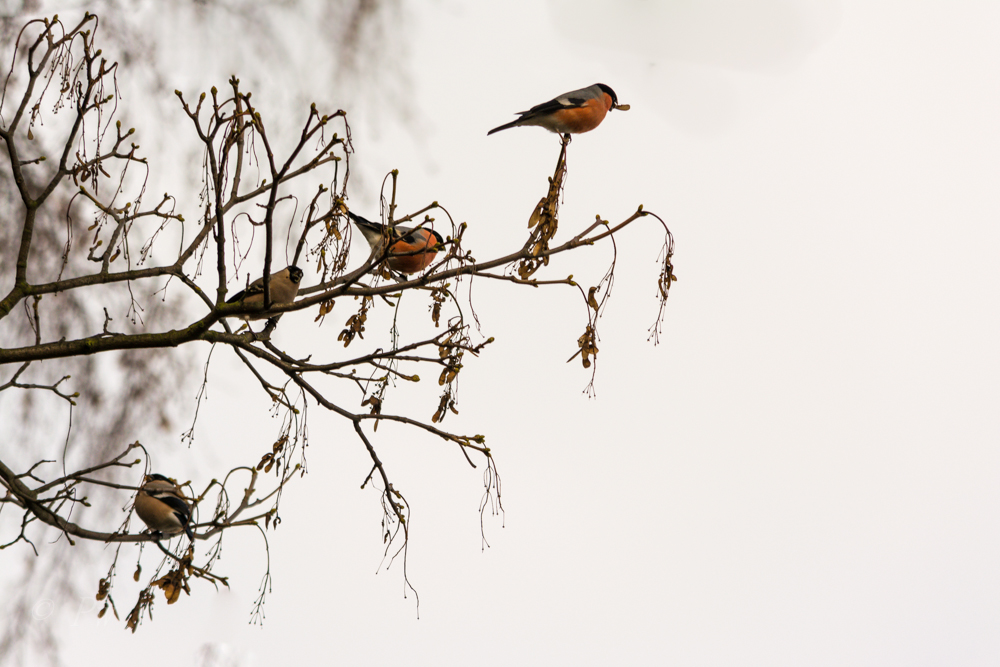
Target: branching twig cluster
{"x":249,"y":208}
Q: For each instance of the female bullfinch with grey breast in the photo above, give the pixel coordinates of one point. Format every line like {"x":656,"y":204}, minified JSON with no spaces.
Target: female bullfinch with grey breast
{"x":570,"y":113}
{"x":162,"y":507}
{"x":284,"y":285}
{"x":410,"y":250}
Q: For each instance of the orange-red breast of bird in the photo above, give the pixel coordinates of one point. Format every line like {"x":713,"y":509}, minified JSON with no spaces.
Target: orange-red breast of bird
{"x":414,"y":252}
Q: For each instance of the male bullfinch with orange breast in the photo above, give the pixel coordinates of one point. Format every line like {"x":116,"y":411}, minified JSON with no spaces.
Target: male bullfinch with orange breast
{"x":410,"y":250}
{"x":283,"y":286}
{"x":162,"y":507}
{"x":570,"y":113}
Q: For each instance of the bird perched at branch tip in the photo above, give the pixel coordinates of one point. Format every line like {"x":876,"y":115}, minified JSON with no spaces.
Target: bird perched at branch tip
{"x":410,"y":250}
{"x":284,"y":285}
{"x":571,"y":113}
{"x":162,"y":507}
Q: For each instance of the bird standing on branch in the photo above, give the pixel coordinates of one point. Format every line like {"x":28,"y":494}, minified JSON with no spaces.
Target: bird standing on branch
{"x":410,"y":250}
{"x":570,"y":113}
{"x":162,"y":507}
{"x":284,"y":285}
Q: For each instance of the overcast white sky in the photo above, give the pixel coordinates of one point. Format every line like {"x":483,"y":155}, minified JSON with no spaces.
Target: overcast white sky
{"x":804,"y":472}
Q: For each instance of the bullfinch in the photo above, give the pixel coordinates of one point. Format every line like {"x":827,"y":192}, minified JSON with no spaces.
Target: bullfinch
{"x":162,"y":507}
{"x":571,"y":113}
{"x":284,"y":285}
{"x":410,"y":250}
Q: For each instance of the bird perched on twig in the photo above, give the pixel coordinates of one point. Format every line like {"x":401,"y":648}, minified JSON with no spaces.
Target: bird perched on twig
{"x":162,"y":507}
{"x":410,"y":250}
{"x":284,"y":285}
{"x":570,"y":113}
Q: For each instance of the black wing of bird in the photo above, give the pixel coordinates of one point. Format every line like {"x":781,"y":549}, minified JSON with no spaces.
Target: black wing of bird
{"x":256,"y":287}
{"x":179,"y":507}
{"x":555,"y":105}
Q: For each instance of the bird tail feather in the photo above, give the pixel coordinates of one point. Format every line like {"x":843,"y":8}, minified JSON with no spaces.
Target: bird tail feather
{"x":507,"y":126}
